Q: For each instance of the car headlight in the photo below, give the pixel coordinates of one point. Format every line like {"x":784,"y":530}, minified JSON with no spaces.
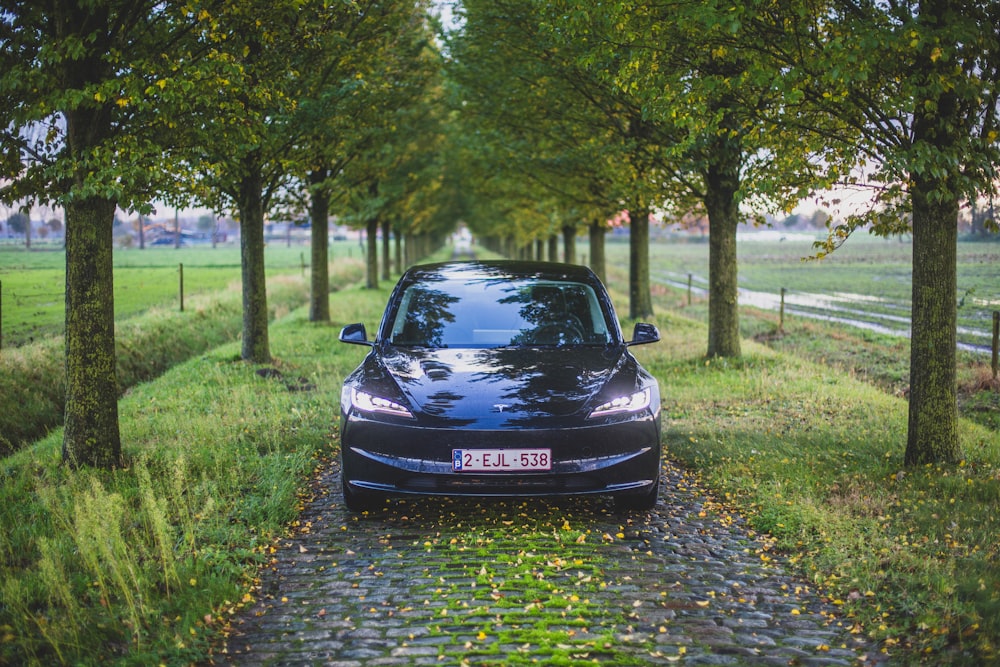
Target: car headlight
{"x":366,"y":402}
{"x":628,"y":403}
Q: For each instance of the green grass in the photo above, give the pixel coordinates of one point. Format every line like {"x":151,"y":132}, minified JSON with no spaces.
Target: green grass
{"x":146,"y":344}
{"x":33,"y":282}
{"x":814,"y":457}
{"x":220,"y":459}
{"x":866,"y":266}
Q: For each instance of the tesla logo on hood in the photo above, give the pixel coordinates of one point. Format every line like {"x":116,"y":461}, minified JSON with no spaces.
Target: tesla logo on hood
{"x":500,"y":407}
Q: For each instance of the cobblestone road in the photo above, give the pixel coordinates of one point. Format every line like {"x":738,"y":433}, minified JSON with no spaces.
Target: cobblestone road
{"x":510,"y":582}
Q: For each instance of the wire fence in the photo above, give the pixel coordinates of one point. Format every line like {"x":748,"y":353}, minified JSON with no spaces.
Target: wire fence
{"x":40,"y":300}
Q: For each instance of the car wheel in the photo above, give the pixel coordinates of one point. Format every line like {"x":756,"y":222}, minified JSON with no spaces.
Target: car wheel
{"x":639,"y":501}
{"x":360,"y":501}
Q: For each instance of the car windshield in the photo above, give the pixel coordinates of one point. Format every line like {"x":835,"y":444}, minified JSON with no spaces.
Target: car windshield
{"x":491,"y":313}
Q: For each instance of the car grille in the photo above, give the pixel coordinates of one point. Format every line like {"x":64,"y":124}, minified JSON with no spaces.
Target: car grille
{"x":481,"y":484}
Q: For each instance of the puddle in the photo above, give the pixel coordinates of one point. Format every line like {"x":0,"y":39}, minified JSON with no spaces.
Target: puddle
{"x":836,"y":308}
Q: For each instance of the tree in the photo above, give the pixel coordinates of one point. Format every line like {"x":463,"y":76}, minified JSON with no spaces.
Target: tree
{"x":919,"y":82}
{"x":583,"y":141}
{"x":693,"y":72}
{"x":20,"y":223}
{"x":80,"y":128}
{"x":371,"y":58}
{"x":54,"y":225}
{"x":249,"y":139}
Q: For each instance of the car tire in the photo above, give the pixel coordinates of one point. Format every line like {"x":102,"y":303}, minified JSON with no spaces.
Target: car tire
{"x":639,"y":501}
{"x":360,"y":501}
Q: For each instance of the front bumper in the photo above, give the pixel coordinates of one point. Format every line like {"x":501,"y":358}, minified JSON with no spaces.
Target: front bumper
{"x":616,"y":458}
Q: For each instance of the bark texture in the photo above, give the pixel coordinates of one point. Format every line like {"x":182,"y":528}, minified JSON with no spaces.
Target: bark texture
{"x":722,"y":183}
{"x":319,"y":272}
{"x":91,"y":435}
{"x":640,"y":297}
{"x":256,"y":347}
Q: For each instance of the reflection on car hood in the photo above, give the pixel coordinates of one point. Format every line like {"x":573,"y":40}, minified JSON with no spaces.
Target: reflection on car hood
{"x":506,"y":387}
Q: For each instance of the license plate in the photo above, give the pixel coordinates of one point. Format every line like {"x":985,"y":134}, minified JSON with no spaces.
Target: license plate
{"x":500,"y":460}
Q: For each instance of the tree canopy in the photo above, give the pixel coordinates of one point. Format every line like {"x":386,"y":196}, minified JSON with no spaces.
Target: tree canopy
{"x":528,"y":120}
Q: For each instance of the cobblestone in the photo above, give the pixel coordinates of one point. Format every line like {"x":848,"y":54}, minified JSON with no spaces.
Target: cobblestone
{"x":431,"y":581}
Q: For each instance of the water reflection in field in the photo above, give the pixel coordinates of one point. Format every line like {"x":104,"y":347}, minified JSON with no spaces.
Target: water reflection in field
{"x":863,"y":311}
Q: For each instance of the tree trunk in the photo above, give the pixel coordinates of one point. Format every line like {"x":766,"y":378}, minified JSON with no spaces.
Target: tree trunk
{"x":932,"y":434}
{"x":598,"y":263}
{"x":399,"y":252}
{"x":640,"y":298}
{"x":91,"y":436}
{"x":553,"y":248}
{"x":256,"y":348}
{"x":569,"y":244}
{"x":386,"y":251}
{"x":932,"y":429}
{"x":372,"y":252}
{"x":722,"y":183}
{"x":319,"y":272}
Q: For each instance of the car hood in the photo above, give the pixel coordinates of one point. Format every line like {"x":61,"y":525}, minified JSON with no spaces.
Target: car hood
{"x":508,"y":387}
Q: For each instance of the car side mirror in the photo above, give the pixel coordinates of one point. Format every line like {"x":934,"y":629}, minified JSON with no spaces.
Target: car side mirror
{"x":355,"y":334}
{"x":644,"y":333}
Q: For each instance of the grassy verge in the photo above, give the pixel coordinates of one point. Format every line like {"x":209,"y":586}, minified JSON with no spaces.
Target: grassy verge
{"x":144,"y":565}
{"x":814,"y":457}
{"x":878,"y":359}
{"x":32,"y":376}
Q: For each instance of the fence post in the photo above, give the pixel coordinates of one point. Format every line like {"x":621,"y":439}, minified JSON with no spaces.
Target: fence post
{"x":181,"y":270}
{"x":689,"y":289}
{"x":996,"y":340}
{"x":781,"y":312}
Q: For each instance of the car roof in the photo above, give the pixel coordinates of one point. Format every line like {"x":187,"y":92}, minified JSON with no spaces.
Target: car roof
{"x":500,"y":268}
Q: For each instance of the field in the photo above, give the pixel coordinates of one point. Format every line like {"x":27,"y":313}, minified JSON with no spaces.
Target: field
{"x":865,"y":283}
{"x":32,"y":282}
{"x":849,"y":311}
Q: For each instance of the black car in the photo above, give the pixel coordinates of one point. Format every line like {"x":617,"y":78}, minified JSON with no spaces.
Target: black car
{"x":500,"y":378}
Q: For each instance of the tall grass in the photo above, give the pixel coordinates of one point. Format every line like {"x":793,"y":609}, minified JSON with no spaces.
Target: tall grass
{"x":146,"y":564}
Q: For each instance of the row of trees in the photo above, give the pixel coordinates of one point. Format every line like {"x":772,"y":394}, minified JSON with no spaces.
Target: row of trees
{"x":535,"y":118}
{"x":574,"y":110}
{"x":243,"y":106}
